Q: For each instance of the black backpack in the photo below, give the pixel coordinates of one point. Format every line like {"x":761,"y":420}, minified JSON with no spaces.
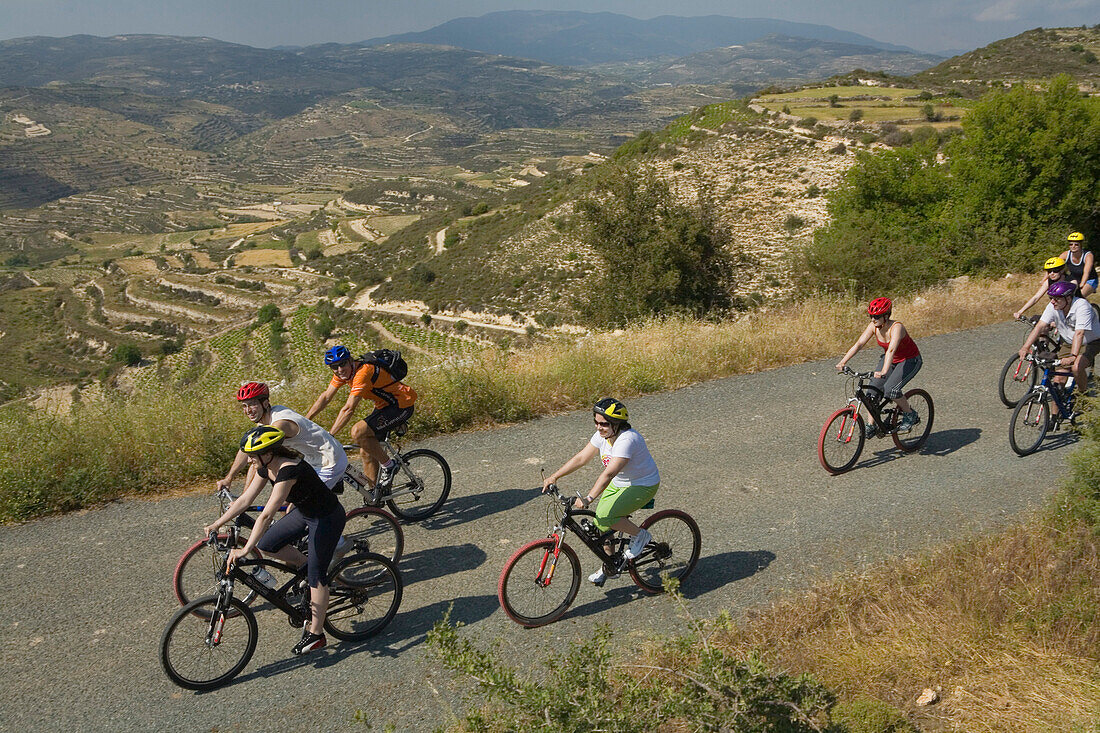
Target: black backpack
{"x":388,"y":359}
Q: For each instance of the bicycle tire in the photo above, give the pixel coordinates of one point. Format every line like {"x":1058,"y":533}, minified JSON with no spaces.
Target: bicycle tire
{"x":194,"y":576}
{"x":191,"y":662}
{"x":523,"y":595}
{"x":672,"y":529}
{"x":1032,"y":418}
{"x":839,"y":438}
{"x":375,"y":530}
{"x":434,"y":477}
{"x":921,"y":402}
{"x":1011,"y":389}
{"x":364,"y":594}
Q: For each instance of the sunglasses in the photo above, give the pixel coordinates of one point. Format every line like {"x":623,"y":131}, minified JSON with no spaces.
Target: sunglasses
{"x":602,"y":423}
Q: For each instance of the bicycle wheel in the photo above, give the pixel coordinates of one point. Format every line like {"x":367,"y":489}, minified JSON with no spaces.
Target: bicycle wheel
{"x":531,"y":590}
{"x":672,"y":552}
{"x":194,"y":574}
{"x":429,"y":489}
{"x":365,"y":593}
{"x":375,"y":530}
{"x":208,"y":642}
{"x":841,"y":440}
{"x":1030,"y":422}
{"x":1017,"y":379}
{"x":921,"y":402}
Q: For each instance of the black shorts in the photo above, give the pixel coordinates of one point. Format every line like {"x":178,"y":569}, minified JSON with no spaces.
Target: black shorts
{"x":324,"y":534}
{"x":384,"y":420}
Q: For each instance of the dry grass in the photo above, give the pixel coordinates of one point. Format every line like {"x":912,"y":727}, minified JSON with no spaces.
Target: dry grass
{"x":261,"y":257}
{"x":1006,"y":627}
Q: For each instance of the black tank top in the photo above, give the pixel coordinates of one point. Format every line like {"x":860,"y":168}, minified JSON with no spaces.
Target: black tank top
{"x":308,"y":491}
{"x":1076,"y":272}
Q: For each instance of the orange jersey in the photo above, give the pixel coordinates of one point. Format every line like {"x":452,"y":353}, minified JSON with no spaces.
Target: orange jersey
{"x":371,"y":380}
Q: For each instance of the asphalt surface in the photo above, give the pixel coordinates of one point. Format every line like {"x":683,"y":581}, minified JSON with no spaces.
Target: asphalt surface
{"x":88,"y":594}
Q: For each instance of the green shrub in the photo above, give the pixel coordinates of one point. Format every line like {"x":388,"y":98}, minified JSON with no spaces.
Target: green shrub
{"x":267,"y":312}
{"x":587,"y":688}
{"x":128,"y":354}
{"x":868,"y":715}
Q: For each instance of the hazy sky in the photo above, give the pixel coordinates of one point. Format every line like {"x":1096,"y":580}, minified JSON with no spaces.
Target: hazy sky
{"x":928,"y":25}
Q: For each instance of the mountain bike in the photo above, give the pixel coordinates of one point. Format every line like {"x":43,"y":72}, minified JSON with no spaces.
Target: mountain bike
{"x":211,"y":639}
{"x":195,"y":574}
{"x":421,"y":481}
{"x":532,"y":596}
{"x":1018,"y":377}
{"x":1033,"y":418}
{"x":842,"y":437}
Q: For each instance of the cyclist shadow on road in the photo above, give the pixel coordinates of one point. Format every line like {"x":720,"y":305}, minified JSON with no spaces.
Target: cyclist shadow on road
{"x":946,"y":442}
{"x":439,"y":561}
{"x":408,"y":629}
{"x":942,"y":443}
{"x":712,"y":573}
{"x":459,"y":509}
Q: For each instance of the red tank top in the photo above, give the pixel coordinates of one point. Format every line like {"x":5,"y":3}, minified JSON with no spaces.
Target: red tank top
{"x":907,"y":348}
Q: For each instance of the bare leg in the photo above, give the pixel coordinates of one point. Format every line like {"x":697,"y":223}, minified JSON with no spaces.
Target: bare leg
{"x":626,"y":526}
{"x":318,"y":604}
{"x":289,"y":554}
{"x":370,"y":450}
{"x":902,"y":403}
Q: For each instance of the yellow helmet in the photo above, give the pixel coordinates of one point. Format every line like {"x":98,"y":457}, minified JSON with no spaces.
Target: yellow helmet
{"x":1076,"y":237}
{"x":610,"y":408}
{"x":1054,"y":263}
{"x":261,"y":438}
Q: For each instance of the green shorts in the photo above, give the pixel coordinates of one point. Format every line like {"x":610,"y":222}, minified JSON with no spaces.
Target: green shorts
{"x":617,"y":502}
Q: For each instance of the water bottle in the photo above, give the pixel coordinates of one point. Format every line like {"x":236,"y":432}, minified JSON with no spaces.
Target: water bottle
{"x":1069,"y":385}
{"x":260,"y":573}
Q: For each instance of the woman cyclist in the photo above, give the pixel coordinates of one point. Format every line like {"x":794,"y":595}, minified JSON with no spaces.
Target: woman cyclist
{"x":1054,"y":270}
{"x":316,"y":511}
{"x":900,"y":360}
{"x":628,"y":482}
{"x":1080,"y":265}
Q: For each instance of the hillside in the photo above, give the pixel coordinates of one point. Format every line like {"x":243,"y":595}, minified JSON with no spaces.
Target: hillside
{"x":778,"y":59}
{"x":1031,"y":57}
{"x":585,"y":39}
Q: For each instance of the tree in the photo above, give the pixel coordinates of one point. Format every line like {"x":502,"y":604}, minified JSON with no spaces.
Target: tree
{"x":659,"y":256}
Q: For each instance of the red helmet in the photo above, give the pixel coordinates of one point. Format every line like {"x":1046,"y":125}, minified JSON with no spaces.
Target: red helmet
{"x":252,"y":390}
{"x":879,"y":306}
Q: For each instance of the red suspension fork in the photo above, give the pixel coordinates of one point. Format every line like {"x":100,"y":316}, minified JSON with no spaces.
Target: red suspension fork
{"x":546,"y":575}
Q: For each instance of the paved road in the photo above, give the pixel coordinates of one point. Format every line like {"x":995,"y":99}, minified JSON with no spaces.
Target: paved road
{"x":88,"y":594}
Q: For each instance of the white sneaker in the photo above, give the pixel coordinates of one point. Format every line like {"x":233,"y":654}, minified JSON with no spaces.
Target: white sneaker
{"x":342,"y":548}
{"x":599,"y":577}
{"x":637,"y":545}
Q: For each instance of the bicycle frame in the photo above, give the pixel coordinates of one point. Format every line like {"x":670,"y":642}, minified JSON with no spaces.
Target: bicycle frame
{"x":597,"y":544}
{"x":1063,"y":398}
{"x":863,"y":397}
{"x":369,"y":494}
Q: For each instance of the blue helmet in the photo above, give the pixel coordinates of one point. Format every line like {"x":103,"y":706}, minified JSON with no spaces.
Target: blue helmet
{"x":337,"y":354}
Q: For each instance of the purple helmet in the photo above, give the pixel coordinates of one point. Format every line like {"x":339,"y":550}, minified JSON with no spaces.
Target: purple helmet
{"x":1061,"y":289}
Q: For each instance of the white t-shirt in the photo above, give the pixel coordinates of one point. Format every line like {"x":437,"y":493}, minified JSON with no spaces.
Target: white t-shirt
{"x":640,"y":468}
{"x":317,"y":446}
{"x":1080,"y":318}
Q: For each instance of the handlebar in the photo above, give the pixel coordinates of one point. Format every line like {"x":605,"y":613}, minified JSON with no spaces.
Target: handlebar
{"x":847,"y":370}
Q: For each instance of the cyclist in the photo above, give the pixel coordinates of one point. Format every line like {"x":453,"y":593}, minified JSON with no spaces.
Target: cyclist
{"x":393,"y":405}
{"x":1073,"y":318}
{"x":900,"y":362}
{"x":318,"y":447}
{"x":628,"y":482}
{"x":1080,"y":264}
{"x":317,"y":513}
{"x":1054,"y":270}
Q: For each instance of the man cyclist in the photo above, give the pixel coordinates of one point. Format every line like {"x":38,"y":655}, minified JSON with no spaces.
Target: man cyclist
{"x":317,"y":447}
{"x":1074,"y":320}
{"x":393,"y":405}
